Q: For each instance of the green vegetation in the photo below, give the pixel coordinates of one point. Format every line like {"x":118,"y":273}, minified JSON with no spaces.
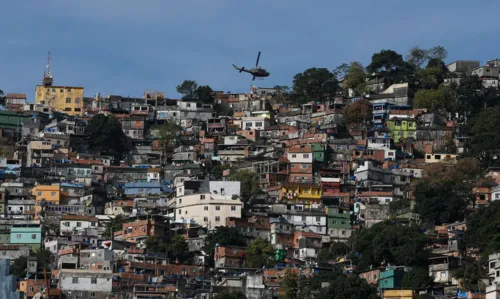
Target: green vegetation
{"x":315,"y":84}
{"x":105,"y":135}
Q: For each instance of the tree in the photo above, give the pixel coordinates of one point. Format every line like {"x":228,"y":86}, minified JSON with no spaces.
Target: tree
{"x":169,"y":138}
{"x":223,"y":235}
{"x":259,"y":254}
{"x":281,"y":94}
{"x":483,"y":230}
{"x":468,"y":275}
{"x":485,"y":136}
{"x":290,"y":285}
{"x":385,"y":61}
{"x":315,"y":84}
{"x":417,"y":278}
{"x":205,"y":94}
{"x":250,"y":185}
{"x":223,"y":109}
{"x":445,"y":192}
{"x":355,"y":76}
{"x":432,"y":76}
{"x":234,"y":295}
{"x":189,"y":90}
{"x":18,"y":268}
{"x":440,"y":99}
{"x":418,"y":56}
{"x":179,"y":248}
{"x":358,"y":112}
{"x":3,"y":99}
{"x":336,"y":249}
{"x":105,"y":134}
{"x":114,"y":225}
{"x":389,"y":243}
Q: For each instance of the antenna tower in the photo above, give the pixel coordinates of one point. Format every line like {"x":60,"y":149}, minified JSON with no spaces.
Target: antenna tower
{"x":47,"y":75}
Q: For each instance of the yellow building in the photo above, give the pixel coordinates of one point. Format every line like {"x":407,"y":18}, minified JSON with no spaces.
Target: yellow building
{"x":50,"y":194}
{"x":305,"y":194}
{"x":399,"y":294}
{"x":65,"y":99}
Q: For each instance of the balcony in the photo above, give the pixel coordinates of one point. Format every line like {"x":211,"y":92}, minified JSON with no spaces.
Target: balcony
{"x":231,"y":152}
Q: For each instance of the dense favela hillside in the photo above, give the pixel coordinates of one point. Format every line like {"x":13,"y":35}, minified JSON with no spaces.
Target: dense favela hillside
{"x":365,"y":181}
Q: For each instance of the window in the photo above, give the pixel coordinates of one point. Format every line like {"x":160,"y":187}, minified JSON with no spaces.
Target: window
{"x":39,"y":193}
{"x":68,"y":100}
{"x":258,"y":124}
{"x":304,"y":166}
{"x":492,"y":265}
{"x":437,"y":157}
{"x":306,"y":156}
{"x":78,"y":224}
{"x":78,"y":109}
{"x":233,"y":208}
{"x":18,"y":236}
{"x":205,"y":219}
{"x":206,"y":208}
{"x":32,"y":289}
{"x":180,"y":211}
{"x":202,"y":196}
{"x":294,"y":156}
{"x":93,"y":280}
{"x":92,"y":295}
{"x":67,"y":109}
{"x":318,"y":219}
{"x":75,"y":279}
{"x":428,"y":156}
{"x":52,"y":193}
{"x":33,"y":236}
{"x":92,"y":223}
{"x":185,"y":212}
{"x":217,"y":208}
{"x":217,"y":218}
{"x":180,"y":200}
{"x":303,"y":218}
{"x":482,"y":196}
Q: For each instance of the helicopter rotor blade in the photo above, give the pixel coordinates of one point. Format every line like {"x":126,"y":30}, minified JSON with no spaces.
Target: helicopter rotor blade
{"x":253,"y":79}
{"x":258,"y":58}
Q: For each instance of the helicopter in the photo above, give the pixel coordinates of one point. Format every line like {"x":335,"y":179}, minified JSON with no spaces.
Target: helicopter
{"x":256,"y":72}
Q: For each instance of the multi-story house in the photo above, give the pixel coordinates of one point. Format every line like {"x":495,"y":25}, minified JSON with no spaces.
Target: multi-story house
{"x":303,"y":196}
{"x":401,"y":128}
{"x":339,"y":224}
{"x":66,"y":99}
{"x":74,"y":223}
{"x":29,"y":236}
{"x":46,"y":195}
{"x":85,"y":284}
{"x":306,"y":245}
{"x":308,"y":221}
{"x":281,"y":232}
{"x":15,"y":101}
{"x":39,"y":153}
{"x":133,"y":126}
{"x":137,"y":231}
{"x":301,"y":164}
{"x":208,"y":203}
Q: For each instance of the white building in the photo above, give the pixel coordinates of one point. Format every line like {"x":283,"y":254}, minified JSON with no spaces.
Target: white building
{"x":208,"y":203}
{"x":72,"y":223}
{"x":254,"y":123}
{"x":76,"y":283}
{"x":308,"y":222}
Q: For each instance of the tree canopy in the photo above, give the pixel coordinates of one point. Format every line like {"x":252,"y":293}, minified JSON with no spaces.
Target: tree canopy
{"x":418,"y":56}
{"x":483,"y":230}
{"x":315,"y":84}
{"x":223,"y":235}
{"x":442,"y":98}
{"x":445,"y":192}
{"x":250,"y":185}
{"x":388,"y":243}
{"x":106,"y":135}
{"x":358,"y":112}
{"x":191,"y":91}
{"x":259,"y":254}
{"x":485,"y":136}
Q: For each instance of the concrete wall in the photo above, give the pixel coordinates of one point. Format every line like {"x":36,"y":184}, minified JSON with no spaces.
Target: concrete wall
{"x":7,"y":282}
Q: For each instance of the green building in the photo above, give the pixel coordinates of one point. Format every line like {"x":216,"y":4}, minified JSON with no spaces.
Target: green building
{"x":319,"y":153}
{"x":11,"y":123}
{"x":391,"y":278}
{"x":339,"y":224}
{"x":30,"y":236}
{"x":402,"y":128}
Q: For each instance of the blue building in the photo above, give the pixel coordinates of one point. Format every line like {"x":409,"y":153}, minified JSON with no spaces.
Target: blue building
{"x":143,"y":188}
{"x":7,"y":282}
{"x":30,"y":236}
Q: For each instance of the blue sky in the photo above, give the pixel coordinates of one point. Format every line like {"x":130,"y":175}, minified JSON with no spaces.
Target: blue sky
{"x":125,"y":47}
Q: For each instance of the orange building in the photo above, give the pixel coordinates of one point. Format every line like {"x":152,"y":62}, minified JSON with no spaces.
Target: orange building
{"x":46,"y":194}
